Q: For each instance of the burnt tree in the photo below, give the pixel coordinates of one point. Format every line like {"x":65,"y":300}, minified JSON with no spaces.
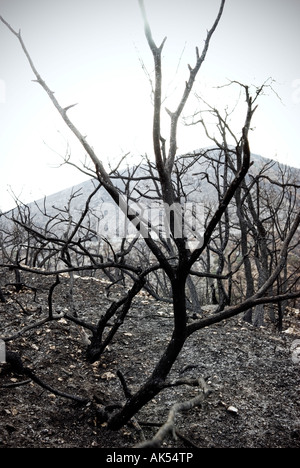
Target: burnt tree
{"x":170,"y":252}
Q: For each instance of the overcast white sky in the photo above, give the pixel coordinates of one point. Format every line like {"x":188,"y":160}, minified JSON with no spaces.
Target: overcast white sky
{"x":89,"y":53}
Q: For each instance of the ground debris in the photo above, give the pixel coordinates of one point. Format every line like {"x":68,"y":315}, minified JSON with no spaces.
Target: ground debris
{"x":251,"y":371}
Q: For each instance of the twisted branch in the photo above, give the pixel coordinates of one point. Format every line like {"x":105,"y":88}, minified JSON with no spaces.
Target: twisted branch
{"x":169,"y":426}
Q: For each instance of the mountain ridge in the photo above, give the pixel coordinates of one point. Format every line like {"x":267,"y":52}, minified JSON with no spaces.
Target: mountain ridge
{"x":86,"y":187}
{"x":197,"y":180}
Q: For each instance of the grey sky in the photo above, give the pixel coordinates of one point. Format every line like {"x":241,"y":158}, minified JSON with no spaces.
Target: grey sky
{"x":89,"y":53}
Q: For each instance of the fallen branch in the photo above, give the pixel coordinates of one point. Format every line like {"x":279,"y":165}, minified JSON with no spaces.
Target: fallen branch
{"x":16,"y":384}
{"x":169,"y":426}
{"x":49,"y":318}
{"x":17,"y":365}
{"x":178,"y":433}
{"x":25,"y":311}
{"x":25,"y":329}
{"x":186,"y":440}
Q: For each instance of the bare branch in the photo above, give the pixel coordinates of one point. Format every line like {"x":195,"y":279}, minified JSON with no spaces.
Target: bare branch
{"x":258,"y":297}
{"x":189,"y":85}
{"x":100,"y":170}
{"x":15,"y":361}
{"x":169,"y":426}
{"x":156,"y":52}
{"x":62,"y":111}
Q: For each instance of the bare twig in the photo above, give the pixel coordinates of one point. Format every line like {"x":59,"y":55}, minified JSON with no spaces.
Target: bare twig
{"x":188,"y":87}
{"x":125,"y":387}
{"x":16,"y":384}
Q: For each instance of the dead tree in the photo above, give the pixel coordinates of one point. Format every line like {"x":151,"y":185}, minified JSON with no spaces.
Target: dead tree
{"x":179,"y":261}
{"x":259,"y":225}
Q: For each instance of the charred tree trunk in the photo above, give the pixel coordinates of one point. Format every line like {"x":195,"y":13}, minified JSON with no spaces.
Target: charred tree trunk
{"x":246,"y":260}
{"x":118,"y":310}
{"x":156,"y":381}
{"x":2,"y":298}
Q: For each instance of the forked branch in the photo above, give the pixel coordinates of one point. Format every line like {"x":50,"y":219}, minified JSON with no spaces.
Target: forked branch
{"x":188,"y":88}
{"x":166,"y":169}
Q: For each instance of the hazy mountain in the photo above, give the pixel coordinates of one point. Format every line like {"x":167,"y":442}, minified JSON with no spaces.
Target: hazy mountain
{"x":81,"y":191}
{"x":197,"y":178}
